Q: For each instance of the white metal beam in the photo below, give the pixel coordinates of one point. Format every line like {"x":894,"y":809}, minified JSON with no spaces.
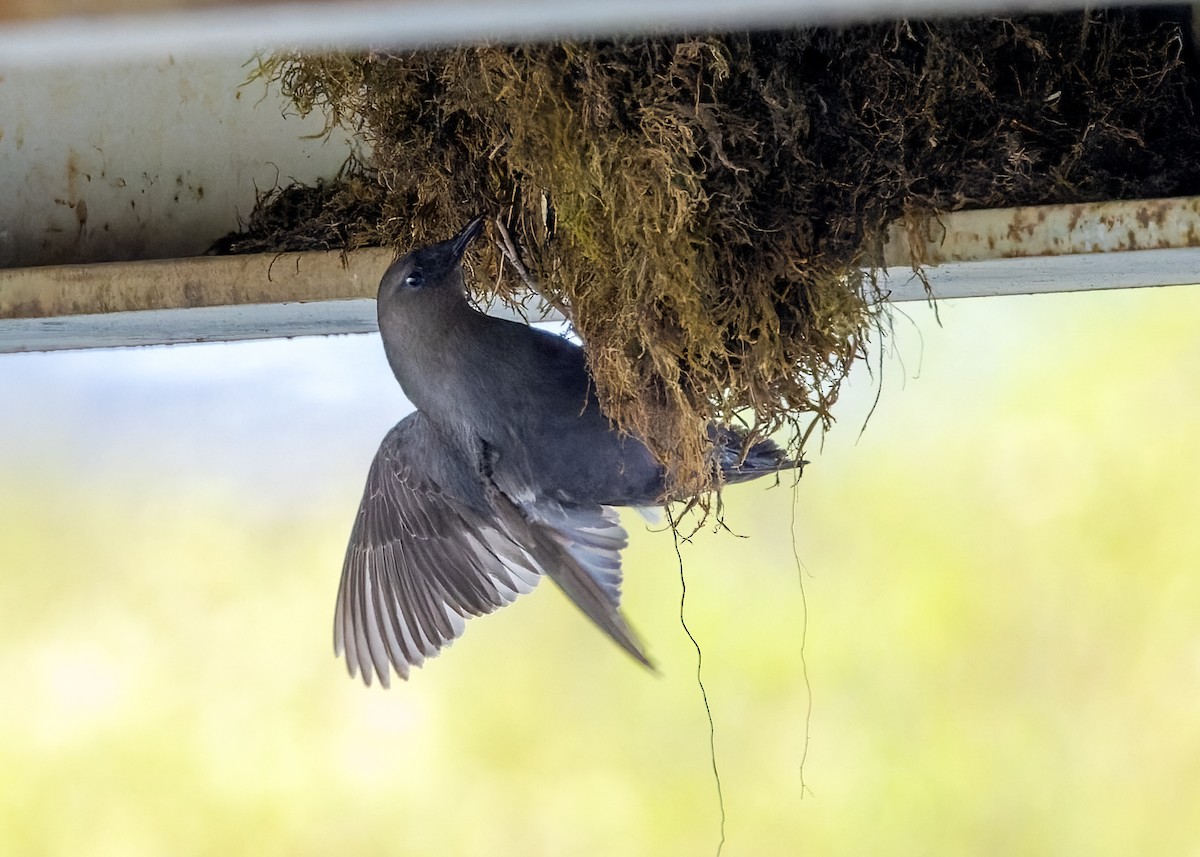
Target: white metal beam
{"x":1037,"y":275}
{"x":1046,"y":248}
{"x":1012,"y":251}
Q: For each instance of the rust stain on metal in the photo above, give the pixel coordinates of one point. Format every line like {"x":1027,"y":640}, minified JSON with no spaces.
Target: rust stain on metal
{"x":194,"y":294}
{"x":27,"y":309}
{"x":1075,"y":212}
{"x":1016,"y":233}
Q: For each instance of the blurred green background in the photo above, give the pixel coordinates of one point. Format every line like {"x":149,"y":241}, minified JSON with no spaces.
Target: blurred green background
{"x":1002,"y":579}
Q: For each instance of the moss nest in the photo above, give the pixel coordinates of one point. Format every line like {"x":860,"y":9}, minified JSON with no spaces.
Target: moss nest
{"x":341,"y":214}
{"x":702,"y":207}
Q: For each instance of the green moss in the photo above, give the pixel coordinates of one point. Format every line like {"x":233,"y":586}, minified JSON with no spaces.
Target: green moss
{"x":702,"y":207}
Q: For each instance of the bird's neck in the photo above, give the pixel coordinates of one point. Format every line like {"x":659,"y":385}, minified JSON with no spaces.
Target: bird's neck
{"x":427,"y":351}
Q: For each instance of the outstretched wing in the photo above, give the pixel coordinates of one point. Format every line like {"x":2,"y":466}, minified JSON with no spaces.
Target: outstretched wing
{"x":433,"y":545}
{"x":424,"y":555}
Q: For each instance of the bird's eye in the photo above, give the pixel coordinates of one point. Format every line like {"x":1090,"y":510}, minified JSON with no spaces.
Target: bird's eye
{"x":414,"y":279}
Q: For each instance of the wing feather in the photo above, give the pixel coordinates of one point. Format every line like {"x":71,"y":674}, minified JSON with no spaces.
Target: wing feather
{"x":423,"y":556}
{"x":432,"y":546}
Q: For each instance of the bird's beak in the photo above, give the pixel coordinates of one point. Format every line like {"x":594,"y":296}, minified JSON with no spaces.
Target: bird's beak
{"x":462,"y":240}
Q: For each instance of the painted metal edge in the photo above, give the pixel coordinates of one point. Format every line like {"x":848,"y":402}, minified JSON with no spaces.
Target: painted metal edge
{"x":178,"y":326}
{"x":248,"y":27}
{"x":1044,"y":249}
{"x":1044,"y":230}
{"x":204,"y":281}
{"x":234,"y":323}
{"x":1036,"y":275}
{"x":1038,"y":250}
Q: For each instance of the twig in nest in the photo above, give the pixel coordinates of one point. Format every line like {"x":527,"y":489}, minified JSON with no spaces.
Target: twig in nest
{"x":508,"y":249}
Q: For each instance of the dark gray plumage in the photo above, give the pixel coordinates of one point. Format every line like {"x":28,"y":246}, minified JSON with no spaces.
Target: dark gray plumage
{"x":506,"y":471}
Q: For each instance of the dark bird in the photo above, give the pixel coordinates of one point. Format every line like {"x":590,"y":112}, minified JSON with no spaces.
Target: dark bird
{"x":507,"y":471}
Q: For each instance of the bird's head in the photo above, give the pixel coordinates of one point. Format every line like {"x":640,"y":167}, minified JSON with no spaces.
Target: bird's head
{"x":422,"y":302}
{"x":429,"y":276}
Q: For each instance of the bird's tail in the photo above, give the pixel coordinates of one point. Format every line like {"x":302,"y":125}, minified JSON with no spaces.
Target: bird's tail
{"x":739,"y":464}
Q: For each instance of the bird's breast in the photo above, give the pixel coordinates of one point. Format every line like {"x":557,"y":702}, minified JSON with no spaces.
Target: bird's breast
{"x":525,"y":396}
